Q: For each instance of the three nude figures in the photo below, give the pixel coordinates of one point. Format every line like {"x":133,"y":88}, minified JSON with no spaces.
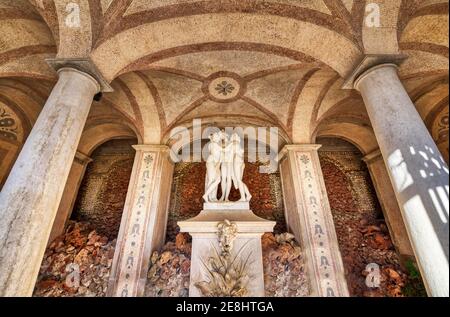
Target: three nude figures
{"x":225,"y":166}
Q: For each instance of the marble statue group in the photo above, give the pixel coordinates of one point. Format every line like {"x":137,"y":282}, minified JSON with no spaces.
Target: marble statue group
{"x":225,"y":167}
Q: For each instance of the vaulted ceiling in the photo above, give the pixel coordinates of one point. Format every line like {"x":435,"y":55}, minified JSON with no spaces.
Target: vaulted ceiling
{"x":232,"y":62}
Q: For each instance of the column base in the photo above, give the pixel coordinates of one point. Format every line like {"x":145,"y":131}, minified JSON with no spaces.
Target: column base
{"x":214,"y":232}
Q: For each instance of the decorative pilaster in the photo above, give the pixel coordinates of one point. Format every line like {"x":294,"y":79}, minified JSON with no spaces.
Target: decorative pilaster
{"x":417,"y":171}
{"x":309,"y":218}
{"x":143,"y":225}
{"x":31,"y":195}
{"x":69,"y":196}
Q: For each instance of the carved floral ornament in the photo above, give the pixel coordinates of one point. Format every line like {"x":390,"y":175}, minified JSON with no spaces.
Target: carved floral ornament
{"x":227,"y":232}
{"x":228,"y":274}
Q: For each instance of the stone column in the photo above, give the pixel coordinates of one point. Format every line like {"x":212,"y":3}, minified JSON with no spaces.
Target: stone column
{"x":70,"y":193}
{"x":143,"y":225}
{"x":416,"y":168}
{"x":31,"y":195}
{"x":388,"y":202}
{"x":309,"y":218}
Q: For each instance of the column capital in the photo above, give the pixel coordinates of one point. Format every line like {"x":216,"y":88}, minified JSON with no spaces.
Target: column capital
{"x":298,"y":147}
{"x":83,"y":65}
{"x":373,"y":156}
{"x":369,"y":63}
{"x":71,"y":70}
{"x":373,"y":69}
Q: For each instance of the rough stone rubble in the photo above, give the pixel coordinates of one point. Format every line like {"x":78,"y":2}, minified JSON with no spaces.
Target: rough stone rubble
{"x":168,"y":275}
{"x":365,"y":241}
{"x":76,"y":264}
{"x":284,"y":270}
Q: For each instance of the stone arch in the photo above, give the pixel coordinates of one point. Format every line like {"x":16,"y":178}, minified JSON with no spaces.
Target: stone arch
{"x":29,"y":42}
{"x":364,"y":235}
{"x":97,"y":135}
{"x":14,"y":129}
{"x":417,"y":20}
{"x":432,"y":102}
{"x":91,"y":139}
{"x":360,"y":136}
{"x":245,"y":29}
{"x":8,"y":154}
{"x":438,"y":125}
{"x":136,"y":98}
{"x":26,"y":98}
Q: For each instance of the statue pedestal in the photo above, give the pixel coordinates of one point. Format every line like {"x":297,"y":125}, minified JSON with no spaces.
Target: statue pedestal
{"x":229,"y":205}
{"x":207,"y":252}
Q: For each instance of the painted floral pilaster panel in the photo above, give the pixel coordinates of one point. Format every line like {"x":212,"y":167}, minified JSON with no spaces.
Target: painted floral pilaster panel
{"x":129,"y":268}
{"x":317,"y":221}
{"x":140,"y":223}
